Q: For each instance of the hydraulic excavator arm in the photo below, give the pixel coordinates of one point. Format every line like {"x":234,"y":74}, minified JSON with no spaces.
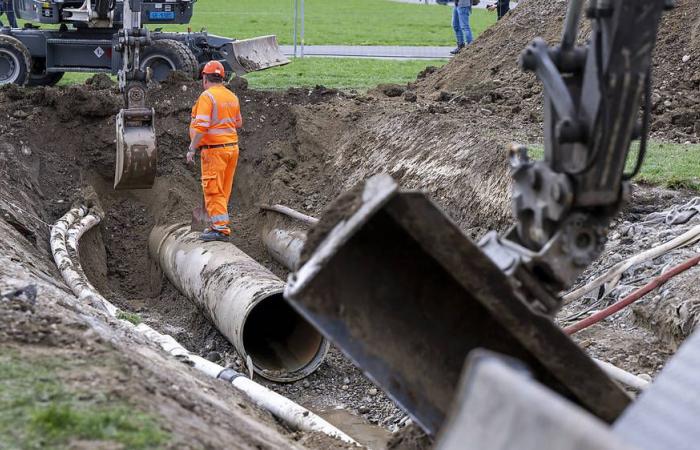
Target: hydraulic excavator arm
{"x":593,"y":93}
{"x":136,"y":138}
{"x":407,"y":295}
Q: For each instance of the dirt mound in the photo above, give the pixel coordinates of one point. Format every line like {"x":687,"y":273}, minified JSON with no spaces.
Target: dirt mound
{"x":445,"y":134}
{"x":67,"y":371}
{"x":493,"y":57}
{"x":677,"y":75}
{"x":487,"y":72}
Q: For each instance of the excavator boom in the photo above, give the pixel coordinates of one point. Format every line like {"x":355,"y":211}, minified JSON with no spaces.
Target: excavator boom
{"x":408,"y":296}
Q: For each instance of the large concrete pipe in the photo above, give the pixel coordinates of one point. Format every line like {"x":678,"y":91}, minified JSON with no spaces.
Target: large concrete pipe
{"x":244,"y":301}
{"x":66,"y":234}
{"x":285,"y":246}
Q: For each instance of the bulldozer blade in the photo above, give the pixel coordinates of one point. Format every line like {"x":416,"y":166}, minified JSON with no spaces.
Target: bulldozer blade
{"x":406,"y":295}
{"x":137,"y":157}
{"x":250,"y":55}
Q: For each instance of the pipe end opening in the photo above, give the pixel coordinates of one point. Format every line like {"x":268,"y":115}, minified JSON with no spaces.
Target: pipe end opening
{"x":281,"y":343}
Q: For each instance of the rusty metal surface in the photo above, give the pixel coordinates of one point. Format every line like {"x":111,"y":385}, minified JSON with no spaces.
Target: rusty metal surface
{"x":406,"y":295}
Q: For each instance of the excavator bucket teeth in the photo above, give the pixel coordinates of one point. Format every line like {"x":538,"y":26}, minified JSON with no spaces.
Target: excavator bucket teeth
{"x":406,"y":295}
{"x":137,"y":157}
{"x":250,"y":55}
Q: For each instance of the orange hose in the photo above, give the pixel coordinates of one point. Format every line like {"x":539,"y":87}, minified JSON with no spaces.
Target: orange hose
{"x":633,"y":297}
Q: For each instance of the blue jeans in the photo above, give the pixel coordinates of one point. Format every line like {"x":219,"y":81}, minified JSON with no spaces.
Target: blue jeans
{"x":460,"y":23}
{"x":6,"y":7}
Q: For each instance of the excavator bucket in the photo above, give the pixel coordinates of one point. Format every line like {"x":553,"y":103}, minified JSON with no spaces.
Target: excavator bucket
{"x":136,"y":149}
{"x":406,"y":295}
{"x":250,"y":55}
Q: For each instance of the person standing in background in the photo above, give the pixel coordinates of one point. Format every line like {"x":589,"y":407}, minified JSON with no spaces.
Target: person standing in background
{"x":460,"y":22}
{"x":501,"y":7}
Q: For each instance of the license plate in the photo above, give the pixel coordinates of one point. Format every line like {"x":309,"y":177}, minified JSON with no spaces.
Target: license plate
{"x":161,"y":15}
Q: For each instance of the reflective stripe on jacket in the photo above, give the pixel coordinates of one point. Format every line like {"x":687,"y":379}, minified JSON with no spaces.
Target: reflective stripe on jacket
{"x":216,"y":115}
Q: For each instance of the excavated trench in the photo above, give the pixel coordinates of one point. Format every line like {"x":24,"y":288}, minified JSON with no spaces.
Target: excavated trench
{"x":303,"y":147}
{"x":72,"y":157}
{"x":299,"y":147}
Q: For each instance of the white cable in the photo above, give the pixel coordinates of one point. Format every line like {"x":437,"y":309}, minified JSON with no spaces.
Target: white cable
{"x":622,"y":376}
{"x":65,"y":235}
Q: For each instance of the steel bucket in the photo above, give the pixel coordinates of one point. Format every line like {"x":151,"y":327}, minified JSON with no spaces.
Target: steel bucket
{"x":137,"y":156}
{"x":406,"y":295}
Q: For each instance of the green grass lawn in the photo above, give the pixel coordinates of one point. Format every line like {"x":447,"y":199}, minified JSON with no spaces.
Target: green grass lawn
{"x":346,"y":22}
{"x":38,"y":411}
{"x":340,"y":73}
{"x":349,"y":22}
{"x":669,"y":165}
{"x":355,"y":73}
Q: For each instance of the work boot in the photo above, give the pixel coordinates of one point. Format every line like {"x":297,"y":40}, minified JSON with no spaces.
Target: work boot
{"x":213,"y":235}
{"x":457,"y":50}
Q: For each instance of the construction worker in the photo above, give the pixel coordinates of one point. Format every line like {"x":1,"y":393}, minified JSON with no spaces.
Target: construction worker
{"x":215,"y":118}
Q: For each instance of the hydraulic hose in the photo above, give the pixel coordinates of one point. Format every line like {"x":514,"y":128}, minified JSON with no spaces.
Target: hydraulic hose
{"x":633,"y":297}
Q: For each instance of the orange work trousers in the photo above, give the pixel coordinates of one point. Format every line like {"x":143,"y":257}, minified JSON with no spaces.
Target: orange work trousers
{"x":218,"y":169}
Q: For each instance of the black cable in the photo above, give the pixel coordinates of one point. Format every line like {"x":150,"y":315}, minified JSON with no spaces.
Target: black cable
{"x":644,"y":138}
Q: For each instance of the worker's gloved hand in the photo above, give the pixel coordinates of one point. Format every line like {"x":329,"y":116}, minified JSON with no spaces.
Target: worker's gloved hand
{"x":190,"y":157}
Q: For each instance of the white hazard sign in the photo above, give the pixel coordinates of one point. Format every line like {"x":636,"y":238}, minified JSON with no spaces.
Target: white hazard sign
{"x":99,"y":52}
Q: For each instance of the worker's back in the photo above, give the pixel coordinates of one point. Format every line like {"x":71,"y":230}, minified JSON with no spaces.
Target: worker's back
{"x":216,"y":115}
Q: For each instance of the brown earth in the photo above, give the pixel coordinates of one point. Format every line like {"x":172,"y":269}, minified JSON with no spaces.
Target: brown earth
{"x":486,"y":72}
{"x":105,"y":363}
{"x":446,"y":134}
{"x":300,"y":147}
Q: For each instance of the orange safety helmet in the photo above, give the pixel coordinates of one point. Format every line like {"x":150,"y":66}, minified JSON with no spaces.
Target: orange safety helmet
{"x":214,"y":68}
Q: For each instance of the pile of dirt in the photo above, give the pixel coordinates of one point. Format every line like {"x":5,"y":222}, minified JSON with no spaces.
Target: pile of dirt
{"x":677,"y":75}
{"x":487,"y":71}
{"x":486,"y":76}
{"x":73,"y":150}
{"x":446,"y":134}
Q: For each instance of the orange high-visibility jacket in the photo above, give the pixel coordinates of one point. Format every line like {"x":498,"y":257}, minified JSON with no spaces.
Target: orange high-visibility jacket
{"x":216,"y":115}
